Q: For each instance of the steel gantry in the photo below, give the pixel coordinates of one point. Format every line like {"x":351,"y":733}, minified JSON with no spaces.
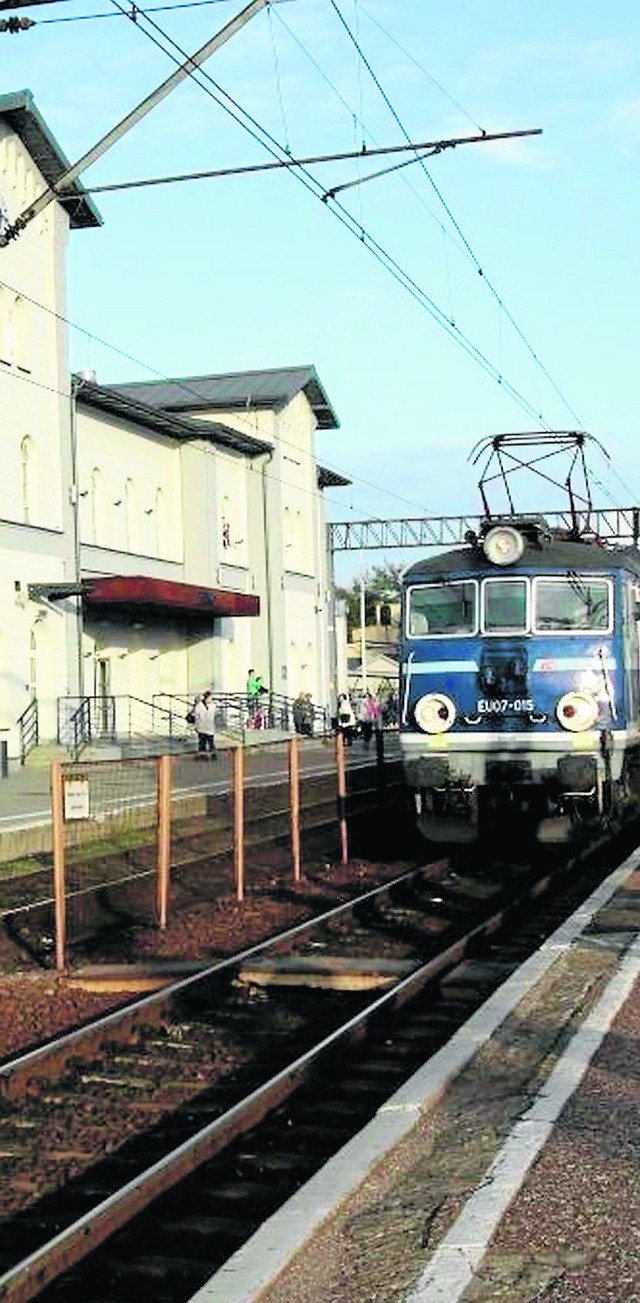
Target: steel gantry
{"x":619,"y":525}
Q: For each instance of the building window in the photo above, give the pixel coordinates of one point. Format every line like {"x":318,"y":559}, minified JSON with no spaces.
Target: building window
{"x":20,"y":332}
{"x":33,"y":666}
{"x":6,"y":327}
{"x":26,"y":478}
{"x":160,"y":510}
{"x":97,"y":506}
{"x":132,"y":517}
{"x":226,"y":523}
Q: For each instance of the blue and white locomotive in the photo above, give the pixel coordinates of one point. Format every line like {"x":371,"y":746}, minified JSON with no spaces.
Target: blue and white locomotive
{"x":520,"y":683}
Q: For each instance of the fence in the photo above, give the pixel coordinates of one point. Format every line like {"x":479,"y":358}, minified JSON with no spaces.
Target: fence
{"x":132,"y":837}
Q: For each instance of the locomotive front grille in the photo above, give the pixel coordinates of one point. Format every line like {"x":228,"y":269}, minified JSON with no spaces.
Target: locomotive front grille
{"x":507,"y":772}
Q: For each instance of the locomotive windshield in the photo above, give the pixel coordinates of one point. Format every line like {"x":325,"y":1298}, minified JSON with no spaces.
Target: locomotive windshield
{"x":442,"y":609}
{"x":560,"y":604}
{"x":504,"y":606}
{"x":574,"y":603}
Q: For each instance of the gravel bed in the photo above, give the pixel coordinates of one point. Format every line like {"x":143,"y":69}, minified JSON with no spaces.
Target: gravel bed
{"x":35,"y":1005}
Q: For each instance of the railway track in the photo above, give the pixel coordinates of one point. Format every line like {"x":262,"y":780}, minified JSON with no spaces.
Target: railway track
{"x":164,"y":1210}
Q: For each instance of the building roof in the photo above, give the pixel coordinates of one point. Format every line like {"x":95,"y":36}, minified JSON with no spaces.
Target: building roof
{"x":114,"y":403}
{"x":328,"y":479}
{"x":19,"y":110}
{"x":236,"y":391}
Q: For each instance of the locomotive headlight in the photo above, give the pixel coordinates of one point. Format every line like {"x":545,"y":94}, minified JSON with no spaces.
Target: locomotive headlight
{"x":577,"y":711}
{"x":503,"y":545}
{"x":435,"y":713}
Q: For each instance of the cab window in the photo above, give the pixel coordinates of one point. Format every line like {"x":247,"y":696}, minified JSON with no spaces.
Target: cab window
{"x":571,"y":604}
{"x":504,"y":606}
{"x":439,"y":609}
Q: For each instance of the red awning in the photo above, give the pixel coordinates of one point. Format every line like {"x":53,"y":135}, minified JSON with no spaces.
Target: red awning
{"x":140,"y":590}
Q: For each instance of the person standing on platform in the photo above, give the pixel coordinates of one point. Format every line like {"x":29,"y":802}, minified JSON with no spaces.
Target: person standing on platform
{"x":204,"y":713}
{"x":372,"y":717}
{"x":346,"y":719}
{"x":255,"y":687}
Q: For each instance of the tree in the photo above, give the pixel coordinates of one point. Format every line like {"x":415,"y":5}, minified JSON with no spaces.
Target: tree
{"x":381,"y":585}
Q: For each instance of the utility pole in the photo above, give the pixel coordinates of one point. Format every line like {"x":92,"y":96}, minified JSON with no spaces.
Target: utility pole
{"x":363,"y":635}
{"x":58,"y":190}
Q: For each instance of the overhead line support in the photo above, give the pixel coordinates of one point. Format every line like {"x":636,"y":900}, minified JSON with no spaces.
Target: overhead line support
{"x":185,"y":69}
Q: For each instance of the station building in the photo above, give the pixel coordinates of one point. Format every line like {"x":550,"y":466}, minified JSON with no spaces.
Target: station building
{"x":157,"y":538}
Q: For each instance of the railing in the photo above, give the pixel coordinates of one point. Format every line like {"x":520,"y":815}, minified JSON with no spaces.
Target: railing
{"x":235,"y":713}
{"x":162,"y":721}
{"x":230,"y":711}
{"x":114,"y":719}
{"x":29,"y":729}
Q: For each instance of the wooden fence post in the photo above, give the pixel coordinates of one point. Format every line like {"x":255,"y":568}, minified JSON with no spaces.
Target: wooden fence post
{"x":294,"y":797}
{"x":238,"y":820}
{"x":342,"y":797}
{"x":164,"y":838}
{"x":59,"y":896}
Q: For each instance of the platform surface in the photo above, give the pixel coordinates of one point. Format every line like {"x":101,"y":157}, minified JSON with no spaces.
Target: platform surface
{"x":507,"y":1168}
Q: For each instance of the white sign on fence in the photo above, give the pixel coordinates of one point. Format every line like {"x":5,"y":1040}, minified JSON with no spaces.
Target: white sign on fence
{"x":76,"y":798}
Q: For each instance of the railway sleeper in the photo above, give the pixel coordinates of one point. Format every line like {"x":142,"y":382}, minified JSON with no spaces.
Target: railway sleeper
{"x":269,"y":1161}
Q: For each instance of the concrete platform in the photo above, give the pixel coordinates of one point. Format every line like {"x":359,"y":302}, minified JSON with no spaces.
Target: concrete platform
{"x":25,"y":799}
{"x":505,"y":1169}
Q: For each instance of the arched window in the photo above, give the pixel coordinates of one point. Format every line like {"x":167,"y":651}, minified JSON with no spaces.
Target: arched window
{"x":287,"y":532}
{"x":6,"y":326}
{"x":132,"y":516}
{"x":226,"y":523}
{"x":300,"y":537}
{"x":33,"y":665}
{"x":20,"y":333}
{"x":160,"y":509}
{"x":27,"y":479}
{"x":97,"y":506}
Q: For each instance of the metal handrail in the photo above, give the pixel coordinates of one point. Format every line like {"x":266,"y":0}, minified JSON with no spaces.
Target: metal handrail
{"x":28,"y":725}
{"x":113,"y":717}
{"x":269,"y":710}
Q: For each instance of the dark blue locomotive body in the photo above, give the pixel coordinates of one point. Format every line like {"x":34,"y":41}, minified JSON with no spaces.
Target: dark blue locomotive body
{"x":520,"y":683}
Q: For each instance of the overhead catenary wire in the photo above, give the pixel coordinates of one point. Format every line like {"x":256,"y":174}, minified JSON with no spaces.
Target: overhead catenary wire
{"x":412,"y":59}
{"x":184,"y":387}
{"x":504,"y":385}
{"x":132,"y":14}
{"x":345,"y":217}
{"x":453,"y":220}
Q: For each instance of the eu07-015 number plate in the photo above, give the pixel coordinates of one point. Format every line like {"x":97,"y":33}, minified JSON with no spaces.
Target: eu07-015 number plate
{"x":505,"y":706}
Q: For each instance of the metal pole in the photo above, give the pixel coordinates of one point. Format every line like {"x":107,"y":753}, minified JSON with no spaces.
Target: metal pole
{"x":76,"y":384}
{"x":363,"y":636}
{"x":238,"y":820}
{"x":164,"y":838}
{"x":342,"y":798}
{"x":57,"y":825}
{"x":294,"y":797}
{"x":66,"y":180}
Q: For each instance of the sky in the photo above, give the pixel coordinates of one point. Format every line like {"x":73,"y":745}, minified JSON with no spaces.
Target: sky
{"x":519,"y":305}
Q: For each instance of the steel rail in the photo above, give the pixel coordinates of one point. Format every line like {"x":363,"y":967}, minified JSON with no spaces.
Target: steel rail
{"x":20,"y":1068}
{"x":24,"y":1281}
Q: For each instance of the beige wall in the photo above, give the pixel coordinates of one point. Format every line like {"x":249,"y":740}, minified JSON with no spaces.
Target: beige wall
{"x":34,"y":383}
{"x":129,"y":487}
{"x":194,"y":512}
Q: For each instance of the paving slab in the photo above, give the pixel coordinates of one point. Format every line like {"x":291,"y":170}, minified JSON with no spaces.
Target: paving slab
{"x":468,"y":1126}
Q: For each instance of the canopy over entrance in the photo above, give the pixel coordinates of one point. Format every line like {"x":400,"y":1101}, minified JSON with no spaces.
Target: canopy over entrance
{"x":141,"y":591}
